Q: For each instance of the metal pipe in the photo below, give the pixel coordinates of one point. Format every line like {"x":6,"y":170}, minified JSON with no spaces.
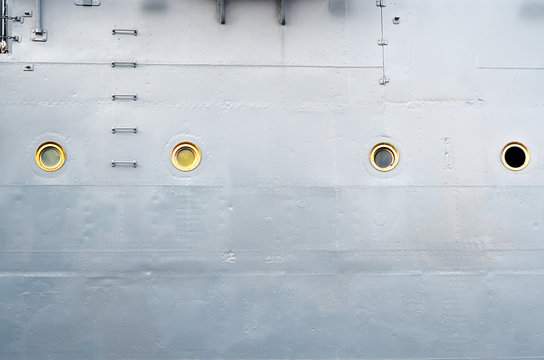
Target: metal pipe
{"x":281,"y":11}
{"x":4,"y":27}
{"x":221,"y":11}
{"x":39,"y":34}
{"x":39,"y":16}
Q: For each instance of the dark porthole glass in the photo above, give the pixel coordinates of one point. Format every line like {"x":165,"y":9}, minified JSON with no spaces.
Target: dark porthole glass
{"x":384,"y":157}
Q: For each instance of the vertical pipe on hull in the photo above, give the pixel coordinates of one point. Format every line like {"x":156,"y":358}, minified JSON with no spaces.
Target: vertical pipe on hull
{"x":39,"y":34}
{"x":281,"y":12}
{"x":4,"y":27}
{"x":39,"y":16}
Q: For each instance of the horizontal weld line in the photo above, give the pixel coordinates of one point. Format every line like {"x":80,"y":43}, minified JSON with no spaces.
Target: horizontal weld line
{"x":332,"y":187}
{"x":168,"y":274}
{"x":260,"y":253}
{"x":508,"y":68}
{"x":203,"y":65}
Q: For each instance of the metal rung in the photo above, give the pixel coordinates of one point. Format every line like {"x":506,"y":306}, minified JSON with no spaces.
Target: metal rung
{"x":116,"y":130}
{"x":115,"y":163}
{"x":124,"y":97}
{"x":124,"y":32}
{"x":123,"y":64}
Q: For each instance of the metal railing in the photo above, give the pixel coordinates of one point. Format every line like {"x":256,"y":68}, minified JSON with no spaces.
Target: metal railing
{"x":4,"y":27}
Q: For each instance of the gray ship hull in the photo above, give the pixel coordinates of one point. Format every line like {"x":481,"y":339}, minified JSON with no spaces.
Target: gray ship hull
{"x":284,"y":242}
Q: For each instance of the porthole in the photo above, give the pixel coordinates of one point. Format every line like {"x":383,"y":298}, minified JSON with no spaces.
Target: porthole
{"x":384,"y":157}
{"x":50,"y":156}
{"x":185,"y":156}
{"x":515,"y":156}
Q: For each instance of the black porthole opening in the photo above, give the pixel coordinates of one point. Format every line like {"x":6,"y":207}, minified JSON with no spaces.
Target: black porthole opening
{"x":515,"y":156}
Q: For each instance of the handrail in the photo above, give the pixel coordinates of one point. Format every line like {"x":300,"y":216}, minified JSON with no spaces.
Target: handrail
{"x":4,"y":27}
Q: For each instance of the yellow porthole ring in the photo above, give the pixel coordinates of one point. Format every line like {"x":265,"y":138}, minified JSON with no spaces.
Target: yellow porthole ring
{"x":50,"y":156}
{"x":515,"y":156}
{"x":384,"y":156}
{"x":185,"y":156}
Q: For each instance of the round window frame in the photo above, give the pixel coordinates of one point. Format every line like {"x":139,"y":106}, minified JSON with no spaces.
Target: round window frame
{"x":388,"y":147}
{"x":185,"y":145}
{"x":519,"y":145}
{"x":50,"y":145}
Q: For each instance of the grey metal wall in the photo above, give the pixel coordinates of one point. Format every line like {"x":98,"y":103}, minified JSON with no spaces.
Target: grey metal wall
{"x":285,"y":243}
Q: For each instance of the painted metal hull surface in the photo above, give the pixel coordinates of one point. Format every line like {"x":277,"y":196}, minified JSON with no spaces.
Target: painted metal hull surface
{"x":285,"y":242}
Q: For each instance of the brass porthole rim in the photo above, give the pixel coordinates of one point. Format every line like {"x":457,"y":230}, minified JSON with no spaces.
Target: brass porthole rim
{"x":188,"y":146}
{"x":518,"y":145}
{"x":45,"y":146}
{"x":384,"y":146}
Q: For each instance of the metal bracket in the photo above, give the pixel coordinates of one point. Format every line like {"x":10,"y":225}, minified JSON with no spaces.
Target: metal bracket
{"x":124,"y":97}
{"x":4,"y":18}
{"x":115,"y":163}
{"x":382,"y":42}
{"x":123,"y":64}
{"x":4,"y":43}
{"x":132,"y":130}
{"x":384,"y":80}
{"x":39,"y":36}
{"x":281,"y":12}
{"x":221,"y":11}
{"x":124,"y":32}
{"x":380,"y":3}
{"x":87,"y":2}
{"x":13,"y":37}
{"x":20,"y":18}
